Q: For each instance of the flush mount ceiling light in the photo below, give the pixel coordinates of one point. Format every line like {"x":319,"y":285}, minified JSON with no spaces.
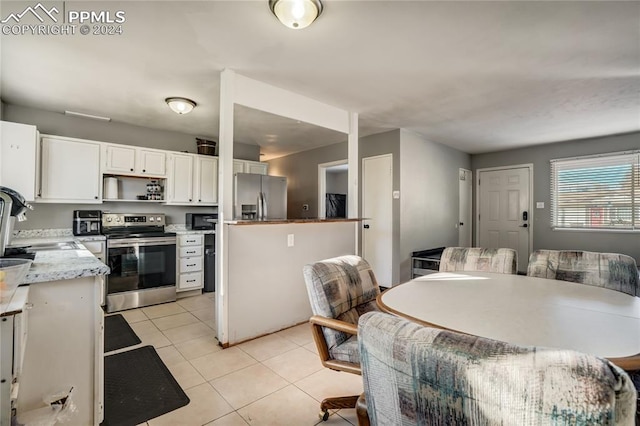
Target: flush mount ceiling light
{"x":180,"y":105}
{"x":296,"y":14}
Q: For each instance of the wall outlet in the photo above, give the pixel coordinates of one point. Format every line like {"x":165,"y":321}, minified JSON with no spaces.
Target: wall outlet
{"x":305,"y":207}
{"x":540,"y":205}
{"x":290,"y":240}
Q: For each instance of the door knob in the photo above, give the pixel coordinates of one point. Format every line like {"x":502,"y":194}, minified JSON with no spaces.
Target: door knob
{"x":524,"y":226}
{"x":366,"y":226}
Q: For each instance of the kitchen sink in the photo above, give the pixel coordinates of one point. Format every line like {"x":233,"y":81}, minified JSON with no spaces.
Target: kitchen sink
{"x":68,"y":245}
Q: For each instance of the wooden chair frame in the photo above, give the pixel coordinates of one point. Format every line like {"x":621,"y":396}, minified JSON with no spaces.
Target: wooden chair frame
{"x":317,"y":323}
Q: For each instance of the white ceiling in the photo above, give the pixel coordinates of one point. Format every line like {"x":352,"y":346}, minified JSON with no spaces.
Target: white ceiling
{"x":478,"y":76}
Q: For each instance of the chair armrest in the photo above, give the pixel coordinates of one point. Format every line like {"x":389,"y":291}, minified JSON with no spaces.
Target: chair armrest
{"x":361,"y":411}
{"x":335,"y":324}
{"x":317,"y":322}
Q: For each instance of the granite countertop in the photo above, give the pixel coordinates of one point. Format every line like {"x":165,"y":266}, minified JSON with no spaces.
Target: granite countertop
{"x":181,"y":229}
{"x":39,"y":236}
{"x":281,"y":221}
{"x":56,"y":265}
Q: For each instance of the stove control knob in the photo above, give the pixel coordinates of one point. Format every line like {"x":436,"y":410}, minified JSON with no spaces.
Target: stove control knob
{"x":151,"y":219}
{"x":108,"y":219}
{"x":158,"y":219}
{"x":117,"y":219}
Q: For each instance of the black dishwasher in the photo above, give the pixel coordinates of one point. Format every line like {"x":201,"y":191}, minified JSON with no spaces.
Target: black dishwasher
{"x":209,"y":263}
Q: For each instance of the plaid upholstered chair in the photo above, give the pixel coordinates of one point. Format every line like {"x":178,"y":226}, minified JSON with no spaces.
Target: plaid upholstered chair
{"x":340,"y":290}
{"x":476,"y":259}
{"x":415,"y":375}
{"x":609,"y":270}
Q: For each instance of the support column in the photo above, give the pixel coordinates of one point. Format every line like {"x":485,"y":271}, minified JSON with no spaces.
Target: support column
{"x":225,"y":200}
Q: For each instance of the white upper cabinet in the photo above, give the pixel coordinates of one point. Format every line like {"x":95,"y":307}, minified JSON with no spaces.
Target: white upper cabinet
{"x":70,"y":171}
{"x":18,"y":158}
{"x":180,"y":181}
{"x":192,"y":180}
{"x":136,"y":161}
{"x":245,"y":166}
{"x":119,"y":159}
{"x":152,"y":162}
{"x":206,"y":180}
{"x":238,"y":166}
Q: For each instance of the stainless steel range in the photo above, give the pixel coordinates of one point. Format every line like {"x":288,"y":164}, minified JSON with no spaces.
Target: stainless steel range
{"x":142,"y":258}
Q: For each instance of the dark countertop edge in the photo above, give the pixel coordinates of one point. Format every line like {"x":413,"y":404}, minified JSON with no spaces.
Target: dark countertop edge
{"x":290,"y":221}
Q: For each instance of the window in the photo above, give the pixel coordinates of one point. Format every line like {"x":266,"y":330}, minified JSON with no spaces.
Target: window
{"x":596,"y":192}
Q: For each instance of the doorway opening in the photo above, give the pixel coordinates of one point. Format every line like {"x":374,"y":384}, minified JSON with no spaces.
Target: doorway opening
{"x":333,"y":187}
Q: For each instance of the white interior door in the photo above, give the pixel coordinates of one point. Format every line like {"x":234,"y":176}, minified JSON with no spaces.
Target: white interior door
{"x":377,"y":208}
{"x":504,"y":211}
{"x":464,"y":214}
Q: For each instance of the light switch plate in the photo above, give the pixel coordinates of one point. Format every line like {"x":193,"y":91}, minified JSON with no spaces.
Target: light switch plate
{"x":540,"y":205}
{"x":396,"y":194}
{"x":290,"y":240}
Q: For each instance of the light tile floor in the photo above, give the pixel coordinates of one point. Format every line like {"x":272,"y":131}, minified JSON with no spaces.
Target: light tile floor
{"x":273,"y":380}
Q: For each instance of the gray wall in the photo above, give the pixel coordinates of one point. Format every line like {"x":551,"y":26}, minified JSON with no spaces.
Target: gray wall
{"x":428,"y":196}
{"x":60,"y":215}
{"x":301,"y":170}
{"x":543,"y":236}
{"x":58,"y":124}
{"x":337,"y":182}
{"x":380,"y":144}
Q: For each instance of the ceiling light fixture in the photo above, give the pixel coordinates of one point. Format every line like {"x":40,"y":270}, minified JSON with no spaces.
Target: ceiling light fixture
{"x":180,"y":105}
{"x":296,"y":14}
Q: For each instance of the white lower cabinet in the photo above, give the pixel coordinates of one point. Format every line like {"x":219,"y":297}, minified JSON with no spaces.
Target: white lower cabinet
{"x":13,"y":340}
{"x":65,"y":350}
{"x":190,"y":262}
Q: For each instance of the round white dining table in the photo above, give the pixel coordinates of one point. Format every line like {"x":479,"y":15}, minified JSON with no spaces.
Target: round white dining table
{"x":525,"y":311}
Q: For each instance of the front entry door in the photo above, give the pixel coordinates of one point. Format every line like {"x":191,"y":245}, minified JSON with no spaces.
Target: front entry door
{"x":504,"y":218}
{"x":377,"y":209}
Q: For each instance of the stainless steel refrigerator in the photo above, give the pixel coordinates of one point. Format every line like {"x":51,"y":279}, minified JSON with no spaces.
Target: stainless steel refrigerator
{"x":260,"y":197}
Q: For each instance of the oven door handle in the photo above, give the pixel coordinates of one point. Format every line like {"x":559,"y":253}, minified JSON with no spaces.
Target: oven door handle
{"x":128,"y":242}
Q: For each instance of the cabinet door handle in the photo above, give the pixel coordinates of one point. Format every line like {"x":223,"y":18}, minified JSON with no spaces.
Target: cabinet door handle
{"x":190,"y":252}
{"x":144,"y":171}
{"x":131,"y":169}
{"x":193,"y":264}
{"x":191,"y":281}
{"x":191,"y":241}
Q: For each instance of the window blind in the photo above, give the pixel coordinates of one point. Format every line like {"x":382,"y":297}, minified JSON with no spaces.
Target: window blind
{"x":596,"y":192}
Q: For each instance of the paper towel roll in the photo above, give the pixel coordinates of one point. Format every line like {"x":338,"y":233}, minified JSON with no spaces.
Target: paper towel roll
{"x":110,"y":188}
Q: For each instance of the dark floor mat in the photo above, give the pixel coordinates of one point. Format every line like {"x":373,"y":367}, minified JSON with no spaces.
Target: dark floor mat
{"x":118,"y":333}
{"x":138,"y":387}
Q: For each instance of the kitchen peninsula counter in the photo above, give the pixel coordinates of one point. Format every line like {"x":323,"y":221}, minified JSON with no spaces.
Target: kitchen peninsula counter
{"x":65,"y":324}
{"x":57,"y":265}
{"x":264,"y":289}
{"x":281,"y":221}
